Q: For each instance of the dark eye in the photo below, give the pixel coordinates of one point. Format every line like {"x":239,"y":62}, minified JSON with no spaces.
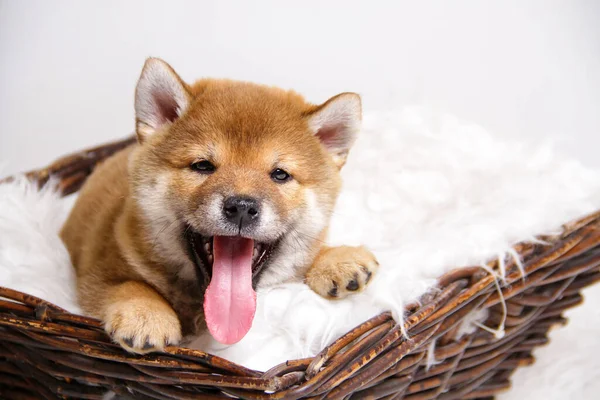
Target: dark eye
{"x":204,"y":167}
{"x":280,"y":176}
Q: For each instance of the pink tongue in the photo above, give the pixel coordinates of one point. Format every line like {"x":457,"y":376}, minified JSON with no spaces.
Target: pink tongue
{"x":230,"y":301}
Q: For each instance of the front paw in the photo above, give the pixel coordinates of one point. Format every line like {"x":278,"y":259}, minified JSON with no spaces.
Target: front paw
{"x":340,"y":271}
{"x":142,"y":325}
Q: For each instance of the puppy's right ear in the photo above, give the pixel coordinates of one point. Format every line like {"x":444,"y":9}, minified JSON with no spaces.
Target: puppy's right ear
{"x":160,"y":98}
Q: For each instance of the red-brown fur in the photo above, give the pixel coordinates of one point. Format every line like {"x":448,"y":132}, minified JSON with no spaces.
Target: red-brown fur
{"x":125,"y":232}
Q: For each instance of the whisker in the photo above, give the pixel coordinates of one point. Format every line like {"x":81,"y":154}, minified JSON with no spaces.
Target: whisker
{"x":306,"y":235}
{"x":167,"y":226}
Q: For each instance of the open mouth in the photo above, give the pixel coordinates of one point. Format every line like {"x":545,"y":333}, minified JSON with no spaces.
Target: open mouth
{"x":201,"y":251}
{"x":230,"y":267}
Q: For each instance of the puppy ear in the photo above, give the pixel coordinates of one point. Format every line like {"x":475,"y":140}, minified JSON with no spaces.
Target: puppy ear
{"x":336,"y":123}
{"x":160,"y":97}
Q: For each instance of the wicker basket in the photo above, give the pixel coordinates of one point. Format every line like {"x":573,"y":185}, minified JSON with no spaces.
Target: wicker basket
{"x":46,"y":352}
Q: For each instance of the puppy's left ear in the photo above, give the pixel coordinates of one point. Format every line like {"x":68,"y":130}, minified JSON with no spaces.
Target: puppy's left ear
{"x":336,"y":123}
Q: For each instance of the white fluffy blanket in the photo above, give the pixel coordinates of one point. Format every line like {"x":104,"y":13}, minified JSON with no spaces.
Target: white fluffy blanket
{"x":425,"y":192}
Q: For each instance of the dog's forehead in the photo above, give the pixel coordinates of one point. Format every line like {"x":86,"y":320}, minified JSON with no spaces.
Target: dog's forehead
{"x":246,"y":120}
{"x":240,"y":127}
{"x":244,"y":124}
{"x":250,"y":129}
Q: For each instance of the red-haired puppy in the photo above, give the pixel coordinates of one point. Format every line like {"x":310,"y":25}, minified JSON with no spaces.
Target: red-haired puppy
{"x":230,"y":187}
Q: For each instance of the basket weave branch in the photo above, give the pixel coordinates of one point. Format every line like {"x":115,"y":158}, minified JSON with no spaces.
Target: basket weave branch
{"x":47,"y":352}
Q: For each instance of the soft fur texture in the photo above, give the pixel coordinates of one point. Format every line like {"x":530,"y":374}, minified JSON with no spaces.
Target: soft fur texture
{"x":33,"y":259}
{"x":427,"y":193}
{"x":231,"y":188}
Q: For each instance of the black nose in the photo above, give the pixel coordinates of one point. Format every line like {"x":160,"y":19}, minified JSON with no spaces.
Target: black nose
{"x":242,"y":211}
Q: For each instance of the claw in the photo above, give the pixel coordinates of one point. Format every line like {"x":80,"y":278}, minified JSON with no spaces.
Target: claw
{"x":128,"y":341}
{"x":147,"y":345}
{"x":366,"y":271}
{"x":334,"y":290}
{"x":353,"y":284}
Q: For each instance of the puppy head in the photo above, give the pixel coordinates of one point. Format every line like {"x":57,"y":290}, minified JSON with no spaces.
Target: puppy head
{"x":243,"y":176}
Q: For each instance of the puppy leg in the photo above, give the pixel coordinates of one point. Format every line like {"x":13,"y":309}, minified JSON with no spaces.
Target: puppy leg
{"x":340,"y":271}
{"x":140,"y":319}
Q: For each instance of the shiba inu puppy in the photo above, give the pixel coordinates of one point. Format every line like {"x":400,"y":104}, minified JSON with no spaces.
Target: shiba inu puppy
{"x":231,"y":187}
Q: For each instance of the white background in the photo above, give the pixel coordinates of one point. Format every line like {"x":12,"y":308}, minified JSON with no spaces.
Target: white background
{"x":519,"y":68}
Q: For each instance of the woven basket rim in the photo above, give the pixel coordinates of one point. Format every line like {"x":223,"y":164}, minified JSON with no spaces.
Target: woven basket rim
{"x":349,"y":362}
